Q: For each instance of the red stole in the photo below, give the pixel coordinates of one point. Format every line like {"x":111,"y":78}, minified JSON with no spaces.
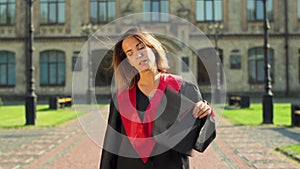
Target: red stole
{"x":140,"y":132}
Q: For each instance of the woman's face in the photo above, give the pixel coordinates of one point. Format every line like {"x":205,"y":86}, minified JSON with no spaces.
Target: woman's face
{"x":138,"y":54}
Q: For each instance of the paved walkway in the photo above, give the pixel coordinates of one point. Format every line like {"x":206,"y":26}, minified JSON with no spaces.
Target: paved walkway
{"x":68,"y":146}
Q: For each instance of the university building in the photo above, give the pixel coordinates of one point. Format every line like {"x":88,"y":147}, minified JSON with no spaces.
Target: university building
{"x":62,"y":28}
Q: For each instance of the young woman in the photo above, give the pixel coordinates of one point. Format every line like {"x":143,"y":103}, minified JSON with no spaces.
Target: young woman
{"x":146,"y":105}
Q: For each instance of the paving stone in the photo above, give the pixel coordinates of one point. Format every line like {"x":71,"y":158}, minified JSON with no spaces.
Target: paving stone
{"x":275,"y":165}
{"x":255,"y":158}
{"x":252,"y":151}
{"x":15,"y":160}
{"x":10,"y":166}
{"x":35,"y":153}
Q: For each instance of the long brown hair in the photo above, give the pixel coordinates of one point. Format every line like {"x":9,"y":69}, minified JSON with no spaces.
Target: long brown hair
{"x":125,"y":74}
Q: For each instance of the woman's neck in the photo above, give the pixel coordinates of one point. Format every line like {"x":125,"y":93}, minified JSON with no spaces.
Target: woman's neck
{"x":148,"y":81}
{"x":148,"y":78}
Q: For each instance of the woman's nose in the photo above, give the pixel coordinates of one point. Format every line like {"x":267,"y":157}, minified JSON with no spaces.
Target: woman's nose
{"x":140,"y":54}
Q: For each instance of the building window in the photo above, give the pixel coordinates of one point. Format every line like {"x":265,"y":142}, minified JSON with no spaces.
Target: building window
{"x":52,"y":70}
{"x":7,"y":12}
{"x":76,"y":61}
{"x":52,"y":11}
{"x":7,"y":68}
{"x":255,"y":10}
{"x":185,"y":64}
{"x":209,"y":10}
{"x":235,"y":61}
{"x":256,"y":64}
{"x":101,"y":66}
{"x":299,"y":64}
{"x":156,"y":7}
{"x":102,"y":11}
{"x":202,"y":61}
{"x":298,"y":9}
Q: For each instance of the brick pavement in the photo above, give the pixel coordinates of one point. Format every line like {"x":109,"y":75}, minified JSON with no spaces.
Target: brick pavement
{"x":68,"y":146}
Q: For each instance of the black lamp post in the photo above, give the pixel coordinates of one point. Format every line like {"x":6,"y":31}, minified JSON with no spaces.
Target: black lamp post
{"x":30,"y":101}
{"x":268,"y":96}
{"x":217,"y":28}
{"x":87,"y":30}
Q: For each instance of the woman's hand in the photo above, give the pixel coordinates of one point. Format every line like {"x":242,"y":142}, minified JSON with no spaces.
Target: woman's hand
{"x":202,"y":109}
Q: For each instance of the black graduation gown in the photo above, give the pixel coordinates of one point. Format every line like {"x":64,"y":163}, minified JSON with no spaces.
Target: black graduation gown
{"x":175,"y":157}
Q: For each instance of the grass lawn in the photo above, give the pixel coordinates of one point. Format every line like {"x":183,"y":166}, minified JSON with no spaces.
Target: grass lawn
{"x":254,"y":115}
{"x":14,"y":116}
{"x":291,"y":150}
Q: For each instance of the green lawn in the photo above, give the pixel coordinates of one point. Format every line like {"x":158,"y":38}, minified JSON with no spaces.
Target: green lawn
{"x":254,"y":115}
{"x":295,"y":148}
{"x":292,"y":151}
{"x":14,"y":116}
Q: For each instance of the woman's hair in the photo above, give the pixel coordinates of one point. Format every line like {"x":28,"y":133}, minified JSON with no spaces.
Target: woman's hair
{"x":125,"y":74}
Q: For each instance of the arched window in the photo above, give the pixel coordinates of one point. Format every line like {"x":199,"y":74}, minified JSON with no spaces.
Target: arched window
{"x":256,"y":65}
{"x":52,"y":68}
{"x":7,"y":69}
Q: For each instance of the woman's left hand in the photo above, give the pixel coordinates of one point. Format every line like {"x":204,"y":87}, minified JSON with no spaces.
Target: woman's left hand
{"x":202,"y":109}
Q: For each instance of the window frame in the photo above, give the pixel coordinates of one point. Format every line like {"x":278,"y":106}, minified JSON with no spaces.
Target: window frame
{"x":213,"y":11}
{"x":7,"y":5}
{"x":270,"y":10}
{"x":48,"y":5}
{"x":298,"y":10}
{"x":150,"y":15}
{"x":185,"y":64}
{"x":102,"y":70}
{"x":235,"y":61}
{"x":107,"y":3}
{"x":48,"y":64}
{"x":299,"y":65}
{"x":257,"y":61}
{"x":8,"y":65}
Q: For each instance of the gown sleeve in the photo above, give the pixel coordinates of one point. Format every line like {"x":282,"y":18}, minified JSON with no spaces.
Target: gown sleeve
{"x":109,"y":160}
{"x":205,"y":131}
{"x":176,"y":127}
{"x":191,"y":93}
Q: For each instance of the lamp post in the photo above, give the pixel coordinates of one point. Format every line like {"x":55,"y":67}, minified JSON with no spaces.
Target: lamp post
{"x":217,"y":28}
{"x":87,"y":30}
{"x":30,"y":101}
{"x":268,"y":96}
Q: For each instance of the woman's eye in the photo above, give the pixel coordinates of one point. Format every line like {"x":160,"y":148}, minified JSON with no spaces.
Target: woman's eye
{"x":141,"y":46}
{"x":129,"y":53}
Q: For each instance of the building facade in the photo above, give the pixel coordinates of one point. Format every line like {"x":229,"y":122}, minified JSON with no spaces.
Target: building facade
{"x":62,"y":27}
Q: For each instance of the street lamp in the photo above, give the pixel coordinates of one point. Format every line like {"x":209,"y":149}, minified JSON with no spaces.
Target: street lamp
{"x":30,"y":101}
{"x":217,"y":28}
{"x":87,"y":30}
{"x":268,"y":96}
